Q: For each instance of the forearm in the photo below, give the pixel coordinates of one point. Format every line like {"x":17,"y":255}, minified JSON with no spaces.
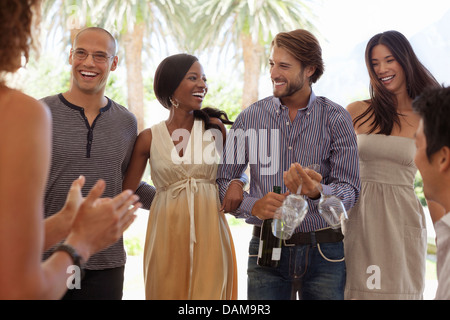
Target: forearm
{"x":57,"y":275}
{"x":347,"y":192}
{"x":56,"y":229}
{"x":46,"y":281}
{"x":31,"y":279}
{"x":245,"y":209}
{"x":344,"y":180}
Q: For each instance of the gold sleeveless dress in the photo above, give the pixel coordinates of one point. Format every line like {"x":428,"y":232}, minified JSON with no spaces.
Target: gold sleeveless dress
{"x":189,"y":251}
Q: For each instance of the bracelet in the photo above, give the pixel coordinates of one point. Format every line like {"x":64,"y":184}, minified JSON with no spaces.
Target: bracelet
{"x":236,"y":181}
{"x":76,"y":258}
{"x":239,"y":182}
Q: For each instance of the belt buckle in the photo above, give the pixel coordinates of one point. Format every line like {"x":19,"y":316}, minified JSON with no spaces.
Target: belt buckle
{"x":287,"y":244}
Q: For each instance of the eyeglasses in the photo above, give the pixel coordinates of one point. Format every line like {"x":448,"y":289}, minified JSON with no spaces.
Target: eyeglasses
{"x":98,"y":57}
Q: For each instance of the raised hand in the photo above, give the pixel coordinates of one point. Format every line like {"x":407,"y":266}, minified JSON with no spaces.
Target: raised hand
{"x":100,"y":223}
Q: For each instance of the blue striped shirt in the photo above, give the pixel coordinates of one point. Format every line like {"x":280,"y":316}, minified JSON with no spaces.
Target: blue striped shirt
{"x":264,"y":137}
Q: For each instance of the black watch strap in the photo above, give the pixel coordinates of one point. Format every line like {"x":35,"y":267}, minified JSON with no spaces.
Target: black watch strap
{"x":76,"y":258}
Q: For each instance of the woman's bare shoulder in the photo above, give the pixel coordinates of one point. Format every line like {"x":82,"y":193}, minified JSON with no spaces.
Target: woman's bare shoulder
{"x":144,"y":142}
{"x":16,"y":106}
{"x":357,"y":108}
{"x":145,"y":135}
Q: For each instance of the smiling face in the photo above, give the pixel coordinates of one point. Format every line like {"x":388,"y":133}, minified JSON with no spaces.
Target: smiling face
{"x":387,"y":69}
{"x":89,"y":76}
{"x":192,"y":89}
{"x":288,"y":76}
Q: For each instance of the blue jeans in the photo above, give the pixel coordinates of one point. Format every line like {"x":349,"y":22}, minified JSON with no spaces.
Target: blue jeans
{"x":303,"y":270}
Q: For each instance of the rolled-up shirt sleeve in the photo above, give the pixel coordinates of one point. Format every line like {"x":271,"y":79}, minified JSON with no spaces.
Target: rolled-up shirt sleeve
{"x":233,"y":166}
{"x":146,"y":194}
{"x":344,"y":181}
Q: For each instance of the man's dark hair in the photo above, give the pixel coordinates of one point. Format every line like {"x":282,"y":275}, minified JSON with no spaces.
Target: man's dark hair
{"x":433,"y":106}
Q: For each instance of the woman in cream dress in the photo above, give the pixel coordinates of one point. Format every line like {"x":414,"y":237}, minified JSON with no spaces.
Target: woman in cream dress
{"x":385,"y":237}
{"x":189,"y":252}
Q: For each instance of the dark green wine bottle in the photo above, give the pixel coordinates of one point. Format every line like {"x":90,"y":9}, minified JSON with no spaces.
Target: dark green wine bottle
{"x":269,"y":253}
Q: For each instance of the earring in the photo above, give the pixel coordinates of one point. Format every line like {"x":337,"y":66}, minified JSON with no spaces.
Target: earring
{"x":176,"y":105}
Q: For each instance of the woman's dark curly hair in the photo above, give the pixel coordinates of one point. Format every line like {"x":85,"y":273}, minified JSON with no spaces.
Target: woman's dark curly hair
{"x":16,"y":25}
{"x":168,"y":77}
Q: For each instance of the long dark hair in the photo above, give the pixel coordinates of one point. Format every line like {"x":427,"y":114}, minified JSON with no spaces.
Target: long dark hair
{"x":168,"y":77}
{"x":382,"y":103}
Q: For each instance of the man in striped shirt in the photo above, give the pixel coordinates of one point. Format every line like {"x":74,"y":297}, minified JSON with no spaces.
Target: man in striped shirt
{"x":294,"y":126}
{"x":92,"y":136}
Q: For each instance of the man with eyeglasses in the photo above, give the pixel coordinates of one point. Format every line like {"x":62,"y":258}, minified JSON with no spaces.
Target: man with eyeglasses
{"x":92,"y":136}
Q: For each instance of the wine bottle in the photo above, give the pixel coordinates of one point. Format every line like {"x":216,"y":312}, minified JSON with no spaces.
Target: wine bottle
{"x":269,"y":252}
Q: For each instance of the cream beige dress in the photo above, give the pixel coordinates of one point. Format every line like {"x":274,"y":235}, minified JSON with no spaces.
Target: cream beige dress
{"x":189,"y":251}
{"x":385,"y":237}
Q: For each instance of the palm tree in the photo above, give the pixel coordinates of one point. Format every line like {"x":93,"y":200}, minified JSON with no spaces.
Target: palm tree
{"x":134,"y":21}
{"x":71,"y":15}
{"x":249,"y":26}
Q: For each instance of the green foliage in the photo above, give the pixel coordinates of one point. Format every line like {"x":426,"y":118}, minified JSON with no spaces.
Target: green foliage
{"x":235,"y":222}
{"x":224,"y":95}
{"x":133,"y":246}
{"x":222,"y":22}
{"x":418,"y":188}
{"x":149,"y":94}
{"x":116,"y":89}
{"x":46,"y":76}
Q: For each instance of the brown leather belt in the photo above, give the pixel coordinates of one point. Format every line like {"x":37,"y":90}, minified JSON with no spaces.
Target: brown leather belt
{"x":302,"y":238}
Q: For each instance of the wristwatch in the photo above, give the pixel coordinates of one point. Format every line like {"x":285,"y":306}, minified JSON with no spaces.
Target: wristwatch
{"x":76,"y":258}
